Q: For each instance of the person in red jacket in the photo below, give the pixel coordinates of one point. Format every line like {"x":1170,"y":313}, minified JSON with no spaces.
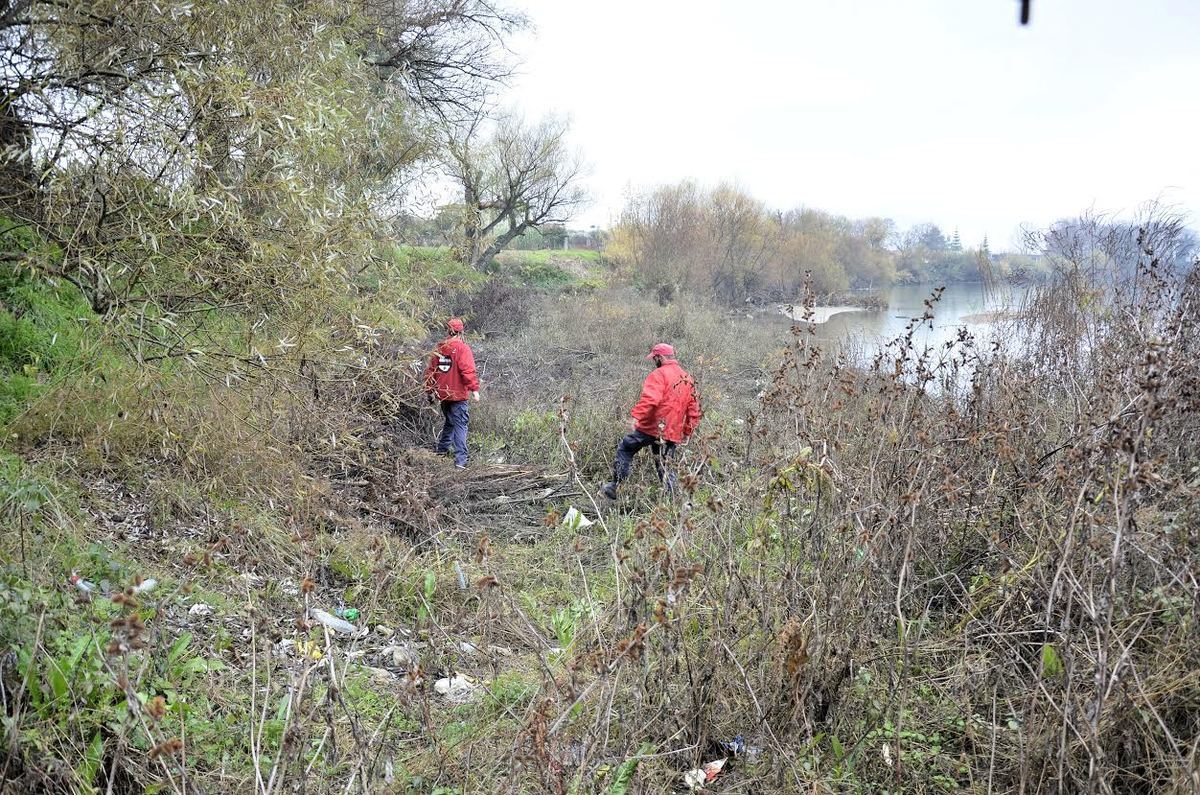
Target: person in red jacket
{"x":666,"y":415}
{"x":450,"y":378}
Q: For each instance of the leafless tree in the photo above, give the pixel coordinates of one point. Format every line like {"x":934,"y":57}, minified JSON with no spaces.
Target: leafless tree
{"x":521,"y":176}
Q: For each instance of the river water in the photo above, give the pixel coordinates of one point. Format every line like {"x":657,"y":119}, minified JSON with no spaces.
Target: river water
{"x":862,"y":332}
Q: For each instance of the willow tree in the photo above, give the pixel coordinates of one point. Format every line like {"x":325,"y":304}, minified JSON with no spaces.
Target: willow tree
{"x":195,"y":157}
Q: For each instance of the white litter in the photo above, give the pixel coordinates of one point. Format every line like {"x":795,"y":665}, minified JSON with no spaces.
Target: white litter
{"x":200,"y":609}
{"x":146,"y":586}
{"x":697,"y":777}
{"x":576,"y":520}
{"x":458,"y":689}
{"x":333,"y":622}
{"x":404,"y":656}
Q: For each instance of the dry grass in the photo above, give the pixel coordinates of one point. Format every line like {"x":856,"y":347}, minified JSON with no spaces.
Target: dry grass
{"x":973,"y":570}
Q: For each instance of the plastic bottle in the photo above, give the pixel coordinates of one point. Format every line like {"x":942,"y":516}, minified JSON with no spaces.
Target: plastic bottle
{"x":82,"y":584}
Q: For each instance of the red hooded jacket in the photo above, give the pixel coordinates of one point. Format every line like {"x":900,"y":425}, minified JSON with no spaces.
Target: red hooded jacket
{"x":451,"y":371}
{"x":668,"y":408}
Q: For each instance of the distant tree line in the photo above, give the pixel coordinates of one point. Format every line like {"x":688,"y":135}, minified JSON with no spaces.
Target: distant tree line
{"x":725,"y":243}
{"x":442,"y":229}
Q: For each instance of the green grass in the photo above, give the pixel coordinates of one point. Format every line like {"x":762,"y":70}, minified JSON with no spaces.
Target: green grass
{"x":551,"y":269}
{"x":43,"y":329}
{"x":546,"y":255}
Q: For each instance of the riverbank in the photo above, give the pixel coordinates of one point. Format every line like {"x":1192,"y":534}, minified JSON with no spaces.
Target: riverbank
{"x":515,"y":631}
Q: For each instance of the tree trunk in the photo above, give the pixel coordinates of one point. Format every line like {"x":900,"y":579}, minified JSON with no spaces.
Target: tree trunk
{"x":484,"y":258}
{"x":18,"y":183}
{"x":471,"y":228}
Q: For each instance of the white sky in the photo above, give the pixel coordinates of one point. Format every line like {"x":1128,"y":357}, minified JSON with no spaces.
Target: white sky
{"x":918,"y":110}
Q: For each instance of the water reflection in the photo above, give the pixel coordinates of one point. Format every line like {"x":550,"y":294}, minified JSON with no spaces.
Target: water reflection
{"x":863,"y":333}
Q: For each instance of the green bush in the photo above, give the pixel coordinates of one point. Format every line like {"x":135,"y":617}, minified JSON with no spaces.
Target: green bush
{"x":43,"y":327}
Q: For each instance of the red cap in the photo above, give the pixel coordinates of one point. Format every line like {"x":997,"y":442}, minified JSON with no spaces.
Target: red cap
{"x":662,"y":349}
{"x":455,"y":324}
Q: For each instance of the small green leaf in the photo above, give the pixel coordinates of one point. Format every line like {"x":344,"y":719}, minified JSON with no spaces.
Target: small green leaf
{"x":58,"y":682}
{"x":1051,"y":663}
{"x":77,"y":650}
{"x":430,"y":583}
{"x":179,"y":648}
{"x":624,"y":774}
{"x":89,"y":766}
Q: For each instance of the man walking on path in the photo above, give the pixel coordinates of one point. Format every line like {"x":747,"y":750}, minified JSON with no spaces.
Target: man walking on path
{"x":451,"y":379}
{"x":666,"y":415}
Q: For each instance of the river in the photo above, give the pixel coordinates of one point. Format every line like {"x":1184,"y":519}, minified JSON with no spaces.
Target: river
{"x":864,"y":331}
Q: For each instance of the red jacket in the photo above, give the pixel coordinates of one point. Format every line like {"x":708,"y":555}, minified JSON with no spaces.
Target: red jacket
{"x":451,"y":371}
{"x":668,"y":408}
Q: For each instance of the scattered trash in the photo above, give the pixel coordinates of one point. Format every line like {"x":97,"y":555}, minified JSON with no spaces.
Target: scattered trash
{"x":289,"y":587}
{"x":403,"y":656}
{"x":378,"y":673}
{"x":467,"y":648}
{"x":737,"y":746}
{"x":697,"y":777}
{"x":886,"y":753}
{"x":575,"y":519}
{"x":200,"y":609}
{"x":694,"y":779}
{"x":333,"y":622}
{"x":348,"y":613}
{"x":458,"y":689}
{"x":310,"y":649}
{"x":146,"y":586}
{"x":462,"y":576}
{"x":383,"y":631}
{"x":82,"y":584}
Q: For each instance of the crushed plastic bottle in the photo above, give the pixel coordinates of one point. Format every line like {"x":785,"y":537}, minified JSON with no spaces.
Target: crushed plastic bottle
{"x":82,"y":584}
{"x":333,"y":622}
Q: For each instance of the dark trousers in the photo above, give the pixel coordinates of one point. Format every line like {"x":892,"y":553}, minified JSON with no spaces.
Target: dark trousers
{"x":631,"y":444}
{"x":454,"y":430}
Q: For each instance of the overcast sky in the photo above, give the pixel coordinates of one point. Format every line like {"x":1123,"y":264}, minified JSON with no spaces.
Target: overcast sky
{"x":917,"y":110}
